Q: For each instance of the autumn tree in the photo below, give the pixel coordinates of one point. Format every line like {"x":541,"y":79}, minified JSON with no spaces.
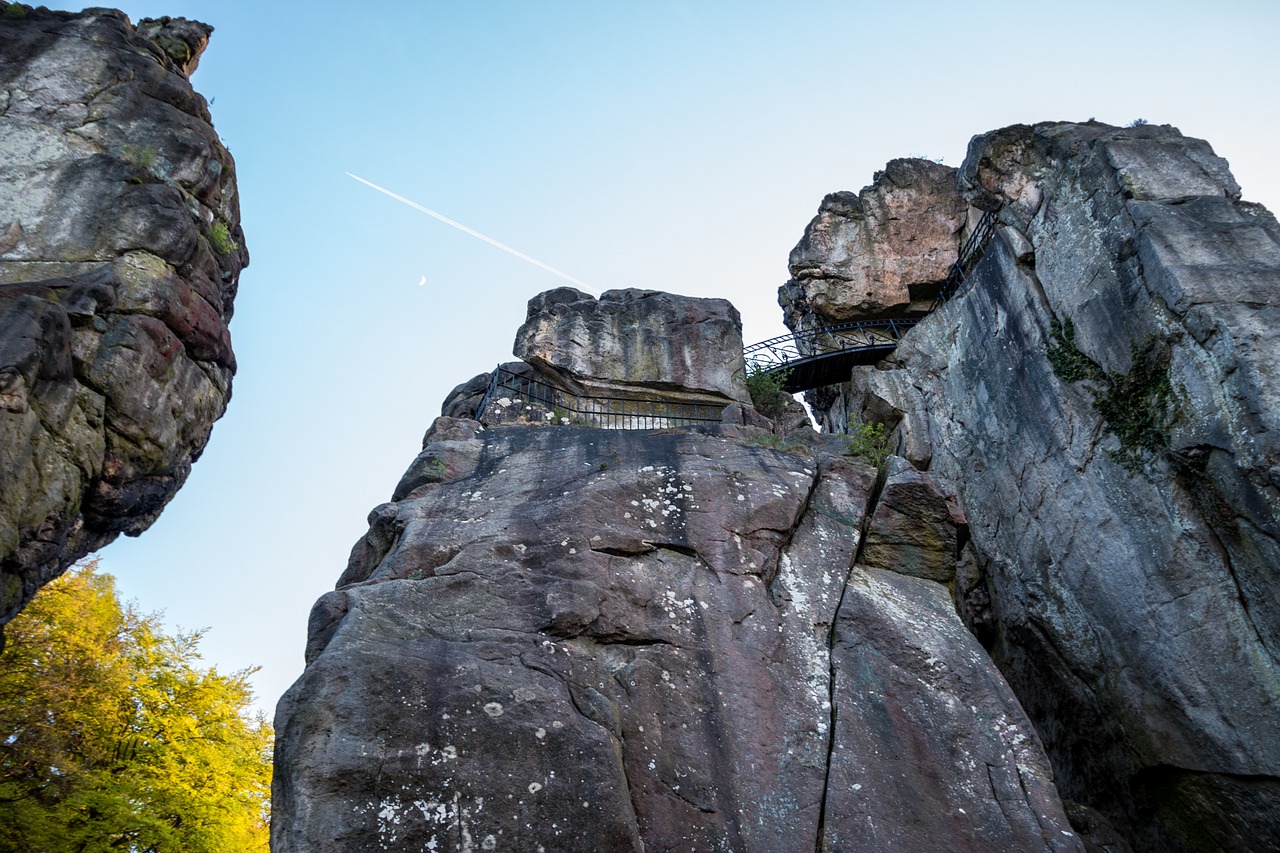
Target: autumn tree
{"x":113,"y":738}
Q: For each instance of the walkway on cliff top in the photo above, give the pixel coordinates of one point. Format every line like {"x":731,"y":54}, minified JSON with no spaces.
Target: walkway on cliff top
{"x":806,"y":360}
{"x":817,"y":357}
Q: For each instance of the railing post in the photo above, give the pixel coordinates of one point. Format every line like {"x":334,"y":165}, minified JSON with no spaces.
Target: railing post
{"x":488,"y":393}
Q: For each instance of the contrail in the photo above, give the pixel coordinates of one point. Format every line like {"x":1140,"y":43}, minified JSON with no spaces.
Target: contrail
{"x":492,"y":242}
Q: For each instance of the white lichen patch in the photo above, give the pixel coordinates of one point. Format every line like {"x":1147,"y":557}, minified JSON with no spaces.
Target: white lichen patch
{"x":812,"y":650}
{"x":675,"y":607}
{"x":493,"y":709}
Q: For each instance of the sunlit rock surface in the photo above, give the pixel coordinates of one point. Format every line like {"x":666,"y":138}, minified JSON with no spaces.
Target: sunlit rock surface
{"x":120,"y":252}
{"x":882,"y":252}
{"x":636,"y":343}
{"x":1124,"y":509}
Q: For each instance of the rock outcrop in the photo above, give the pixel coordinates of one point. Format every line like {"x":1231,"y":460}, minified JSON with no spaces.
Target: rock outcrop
{"x":636,"y":342}
{"x":574,"y":639}
{"x":737,"y":636}
{"x":120,"y":252}
{"x":883,"y":252}
{"x":1104,"y":401}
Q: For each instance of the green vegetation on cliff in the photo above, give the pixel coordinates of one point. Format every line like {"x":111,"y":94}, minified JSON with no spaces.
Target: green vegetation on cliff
{"x":1139,"y":407}
{"x":765,"y":388}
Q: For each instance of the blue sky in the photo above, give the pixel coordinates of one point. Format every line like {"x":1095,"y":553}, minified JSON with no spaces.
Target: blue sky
{"x":680,"y":146}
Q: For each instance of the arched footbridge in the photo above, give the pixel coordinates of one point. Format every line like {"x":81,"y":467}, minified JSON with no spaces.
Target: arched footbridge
{"x":817,"y":357}
{"x":806,"y":360}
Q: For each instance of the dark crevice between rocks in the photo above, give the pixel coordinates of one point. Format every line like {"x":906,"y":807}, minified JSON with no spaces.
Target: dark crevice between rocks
{"x":640,"y":550}
{"x":647,"y":547}
{"x":831,"y":675}
{"x":788,"y":535}
{"x":616,"y":639}
{"x":1179,"y":809}
{"x":1219,"y":519}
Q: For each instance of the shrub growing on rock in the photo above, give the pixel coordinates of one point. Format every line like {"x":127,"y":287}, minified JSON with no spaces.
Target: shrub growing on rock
{"x":765,"y":388}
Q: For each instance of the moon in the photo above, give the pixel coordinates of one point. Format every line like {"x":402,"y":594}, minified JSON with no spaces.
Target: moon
{"x":422,"y":281}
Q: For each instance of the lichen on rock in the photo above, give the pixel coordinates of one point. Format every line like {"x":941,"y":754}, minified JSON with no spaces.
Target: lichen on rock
{"x":115,"y":294}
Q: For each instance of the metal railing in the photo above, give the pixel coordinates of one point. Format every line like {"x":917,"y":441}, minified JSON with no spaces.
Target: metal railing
{"x":824,"y":346}
{"x":507,"y":388}
{"x":967,"y":260}
{"x":777,"y":353}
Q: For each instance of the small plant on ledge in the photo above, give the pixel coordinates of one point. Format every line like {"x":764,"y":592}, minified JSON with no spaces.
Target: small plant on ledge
{"x":777,"y":442}
{"x":142,"y":156}
{"x":220,"y":239}
{"x":869,"y":441}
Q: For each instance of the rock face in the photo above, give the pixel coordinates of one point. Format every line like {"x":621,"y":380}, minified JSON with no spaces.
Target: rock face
{"x":636,"y":343}
{"x":120,"y":252}
{"x":573,"y":639}
{"x":1104,"y":401}
{"x":883,"y":252}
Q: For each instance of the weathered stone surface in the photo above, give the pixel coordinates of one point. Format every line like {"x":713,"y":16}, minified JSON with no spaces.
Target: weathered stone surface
{"x":933,"y":752}
{"x":883,"y":252}
{"x":116,"y":282}
{"x":464,"y":399}
{"x":1134,"y":610}
{"x":636,"y":343}
{"x":581,"y":639}
{"x":916,"y":530}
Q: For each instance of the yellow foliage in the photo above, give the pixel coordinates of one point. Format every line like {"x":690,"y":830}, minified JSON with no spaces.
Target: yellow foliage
{"x":113,"y":738}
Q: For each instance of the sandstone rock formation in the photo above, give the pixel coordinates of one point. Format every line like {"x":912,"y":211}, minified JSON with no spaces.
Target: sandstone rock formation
{"x":574,"y":639}
{"x":1104,"y":401}
{"x":737,"y":637}
{"x":566,"y":638}
{"x":120,"y":252}
{"x":636,"y":342}
{"x":883,"y":252}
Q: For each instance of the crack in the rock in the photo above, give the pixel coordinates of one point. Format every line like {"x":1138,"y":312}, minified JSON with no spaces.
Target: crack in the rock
{"x":689,"y":802}
{"x":647,"y":547}
{"x":831,"y":701}
{"x":616,"y":639}
{"x":790,"y":533}
{"x":1229,"y":564}
{"x":831,"y":670}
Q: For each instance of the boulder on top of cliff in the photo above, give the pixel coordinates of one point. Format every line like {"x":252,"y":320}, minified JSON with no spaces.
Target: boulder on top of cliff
{"x":883,"y":252}
{"x":181,"y":39}
{"x":120,"y":254}
{"x":636,"y":343}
